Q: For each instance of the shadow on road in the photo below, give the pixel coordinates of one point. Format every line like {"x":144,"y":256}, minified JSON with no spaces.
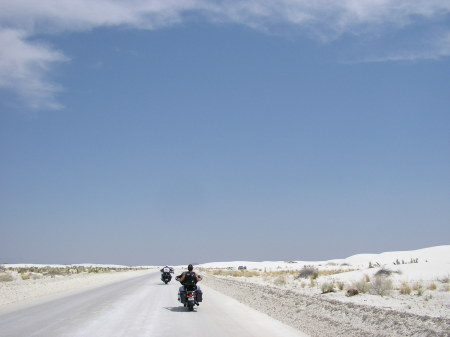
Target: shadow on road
{"x":177,"y":309}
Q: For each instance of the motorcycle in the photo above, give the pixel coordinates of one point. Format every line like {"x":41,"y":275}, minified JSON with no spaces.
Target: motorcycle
{"x":190,"y":296}
{"x":166,"y":277}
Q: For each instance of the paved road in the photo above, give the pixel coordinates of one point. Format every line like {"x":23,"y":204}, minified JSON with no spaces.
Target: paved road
{"x":142,"y":306}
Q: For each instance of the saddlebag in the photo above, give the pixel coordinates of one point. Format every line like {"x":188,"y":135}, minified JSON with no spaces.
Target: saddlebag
{"x":183,"y":297}
{"x":199,"y":296}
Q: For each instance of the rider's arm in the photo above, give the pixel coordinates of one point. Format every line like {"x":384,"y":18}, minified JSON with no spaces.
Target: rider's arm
{"x":182,"y":277}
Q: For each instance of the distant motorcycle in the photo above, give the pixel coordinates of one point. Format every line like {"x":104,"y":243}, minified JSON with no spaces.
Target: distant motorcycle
{"x":165,"y":274}
{"x":166,"y":277}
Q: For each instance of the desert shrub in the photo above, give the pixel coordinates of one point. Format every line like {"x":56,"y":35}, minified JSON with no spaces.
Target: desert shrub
{"x":405,"y":289}
{"x":312,"y":282}
{"x":445,"y":287}
{"x":25,"y":276}
{"x":362,"y":286}
{"x":56,"y":271}
{"x":341,"y":285}
{"x":327,"y":287}
{"x":280,"y":280}
{"x":234,"y":273}
{"x":333,"y":271}
{"x":432,"y":286}
{"x":380,"y":285}
{"x":303,"y":284}
{"x":280,"y":273}
{"x":445,"y":279}
{"x":6,"y":277}
{"x":351,"y":292}
{"x":308,"y":272}
{"x":244,"y":273}
{"x":35,"y":276}
{"x":366,"y":278}
{"x":384,"y":272}
{"x":417,"y":286}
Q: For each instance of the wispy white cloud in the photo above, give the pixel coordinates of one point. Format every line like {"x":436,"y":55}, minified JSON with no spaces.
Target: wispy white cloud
{"x":433,"y":49}
{"x":25,"y":64}
{"x":24,"y":67}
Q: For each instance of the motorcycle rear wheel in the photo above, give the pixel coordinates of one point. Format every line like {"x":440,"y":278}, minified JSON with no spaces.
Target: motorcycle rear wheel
{"x":191,"y":305}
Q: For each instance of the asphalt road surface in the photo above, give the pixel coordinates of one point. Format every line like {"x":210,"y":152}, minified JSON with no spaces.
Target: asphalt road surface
{"x":141,"y":306}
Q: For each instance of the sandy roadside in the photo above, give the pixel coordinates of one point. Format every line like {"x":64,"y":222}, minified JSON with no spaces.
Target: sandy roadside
{"x":23,"y":292}
{"x":321,"y":317}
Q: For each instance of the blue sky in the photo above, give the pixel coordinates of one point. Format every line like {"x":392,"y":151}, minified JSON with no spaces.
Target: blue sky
{"x":175,"y":132}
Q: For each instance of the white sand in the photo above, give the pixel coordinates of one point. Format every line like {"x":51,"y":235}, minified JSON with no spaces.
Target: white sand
{"x":294,"y":302}
{"x":302,"y":305}
{"x":20,"y":290}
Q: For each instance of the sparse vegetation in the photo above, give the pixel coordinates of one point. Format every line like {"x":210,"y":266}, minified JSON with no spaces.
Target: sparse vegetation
{"x":386,"y":272}
{"x":361,"y":286}
{"x":405,"y":289}
{"x":6,"y":277}
{"x":280,"y":281}
{"x":327,"y":287}
{"x":445,"y":279}
{"x":308,"y":272}
{"x":235,"y":273}
{"x":340,"y":285}
{"x":445,"y":287}
{"x":380,"y":285}
{"x":418,"y":287}
{"x":432,"y":286}
{"x":35,"y":272}
{"x":333,"y":271}
{"x":351,"y":292}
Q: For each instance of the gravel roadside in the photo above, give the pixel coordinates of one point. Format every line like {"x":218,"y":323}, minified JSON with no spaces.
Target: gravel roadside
{"x":321,"y":317}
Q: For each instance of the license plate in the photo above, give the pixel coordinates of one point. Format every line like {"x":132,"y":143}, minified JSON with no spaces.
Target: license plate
{"x":190,"y":298}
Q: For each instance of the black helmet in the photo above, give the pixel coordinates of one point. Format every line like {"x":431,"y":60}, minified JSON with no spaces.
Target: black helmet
{"x":190,"y":267}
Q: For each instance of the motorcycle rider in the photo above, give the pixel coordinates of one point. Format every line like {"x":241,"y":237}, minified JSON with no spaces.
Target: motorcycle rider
{"x":182,"y":277}
{"x":166,"y":271}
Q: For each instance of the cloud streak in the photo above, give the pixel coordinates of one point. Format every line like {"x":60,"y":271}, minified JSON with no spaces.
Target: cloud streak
{"x":26,"y":64}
